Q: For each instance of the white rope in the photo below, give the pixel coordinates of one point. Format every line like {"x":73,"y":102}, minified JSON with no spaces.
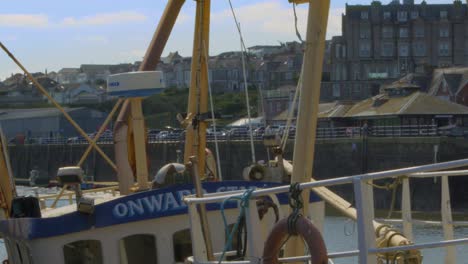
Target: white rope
{"x":291,"y":111}
{"x":252,"y":147}
{"x":295,"y":24}
{"x":218,"y":162}
{"x":243,"y":51}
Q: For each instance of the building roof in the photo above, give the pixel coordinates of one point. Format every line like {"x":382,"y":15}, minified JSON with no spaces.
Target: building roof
{"x":69,"y":70}
{"x":416,"y":103}
{"x":6,"y":114}
{"x":455,"y":78}
{"x":335,"y":109}
{"x":326,"y":110}
{"x":245,"y":122}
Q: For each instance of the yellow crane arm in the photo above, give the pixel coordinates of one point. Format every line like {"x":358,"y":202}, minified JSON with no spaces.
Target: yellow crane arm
{"x":7,"y":186}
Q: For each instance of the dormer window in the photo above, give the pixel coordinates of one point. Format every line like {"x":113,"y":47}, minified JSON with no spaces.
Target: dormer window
{"x":387,"y":15}
{"x":402,"y":16}
{"x":443,"y":32}
{"x":364,"y":15}
{"x":403,"y":32}
{"x":387,"y":32}
{"x":443,"y":14}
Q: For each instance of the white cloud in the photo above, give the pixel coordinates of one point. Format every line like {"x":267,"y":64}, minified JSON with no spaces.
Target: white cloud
{"x":132,"y":55}
{"x":276,"y":18}
{"x":92,"y":40}
{"x":335,"y":22}
{"x":104,"y":19}
{"x":23,"y":20}
{"x":183,"y":18}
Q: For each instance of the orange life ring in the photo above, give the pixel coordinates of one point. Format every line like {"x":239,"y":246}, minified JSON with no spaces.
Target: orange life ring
{"x":305,"y":228}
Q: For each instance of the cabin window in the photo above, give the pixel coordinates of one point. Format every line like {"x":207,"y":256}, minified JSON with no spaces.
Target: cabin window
{"x":182,"y":241}
{"x":140,"y":248}
{"x":83,"y":251}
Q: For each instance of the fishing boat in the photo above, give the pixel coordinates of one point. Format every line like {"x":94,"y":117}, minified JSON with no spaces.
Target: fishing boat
{"x":212,"y":221}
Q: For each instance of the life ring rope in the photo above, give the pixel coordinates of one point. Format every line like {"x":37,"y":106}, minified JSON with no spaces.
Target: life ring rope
{"x":295,"y":224}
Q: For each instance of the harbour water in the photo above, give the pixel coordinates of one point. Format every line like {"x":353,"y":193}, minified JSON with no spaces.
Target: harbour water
{"x":340,"y":235}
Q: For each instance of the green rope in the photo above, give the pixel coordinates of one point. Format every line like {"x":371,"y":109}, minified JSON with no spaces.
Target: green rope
{"x":296,"y":203}
{"x":244,"y":203}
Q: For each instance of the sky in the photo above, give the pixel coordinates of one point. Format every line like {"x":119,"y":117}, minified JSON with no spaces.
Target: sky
{"x":53,"y":34}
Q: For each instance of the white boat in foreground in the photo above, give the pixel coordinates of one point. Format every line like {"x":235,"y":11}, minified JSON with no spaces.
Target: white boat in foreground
{"x":265,"y":224}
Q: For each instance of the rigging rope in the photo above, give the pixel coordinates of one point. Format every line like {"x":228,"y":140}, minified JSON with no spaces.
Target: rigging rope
{"x":284,"y":139}
{"x":295,"y":24}
{"x":244,"y":203}
{"x":243,"y":51}
{"x":218,"y":162}
{"x":291,"y":111}
{"x":393,"y":186}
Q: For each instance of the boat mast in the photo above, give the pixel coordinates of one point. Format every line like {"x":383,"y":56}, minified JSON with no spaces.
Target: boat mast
{"x":304,"y":145}
{"x":197,"y":110}
{"x":131,"y":109}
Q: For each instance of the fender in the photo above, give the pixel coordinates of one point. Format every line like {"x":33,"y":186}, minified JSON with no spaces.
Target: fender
{"x":305,"y":228}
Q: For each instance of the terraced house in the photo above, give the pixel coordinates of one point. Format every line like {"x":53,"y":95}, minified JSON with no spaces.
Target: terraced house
{"x":382,"y":42}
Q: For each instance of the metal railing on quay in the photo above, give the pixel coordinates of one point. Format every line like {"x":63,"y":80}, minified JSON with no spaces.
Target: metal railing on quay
{"x":351,"y":132}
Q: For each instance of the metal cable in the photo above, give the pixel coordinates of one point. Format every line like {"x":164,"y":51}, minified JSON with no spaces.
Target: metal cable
{"x":244,"y":50}
{"x":213,"y":119}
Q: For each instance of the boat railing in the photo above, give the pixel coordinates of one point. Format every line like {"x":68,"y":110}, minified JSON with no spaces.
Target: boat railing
{"x":68,"y":195}
{"x":363,"y":192}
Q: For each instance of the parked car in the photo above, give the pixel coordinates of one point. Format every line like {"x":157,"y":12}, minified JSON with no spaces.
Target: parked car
{"x":220,"y":134}
{"x":238,"y":132}
{"x":258,"y":132}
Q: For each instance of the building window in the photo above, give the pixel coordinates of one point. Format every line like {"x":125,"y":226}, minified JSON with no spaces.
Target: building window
{"x":403,"y":32}
{"x":387,"y":15}
{"x":443,"y":48}
{"x":443,"y":32}
{"x":357,"y":89}
{"x":364,"y":49}
{"x":403,"y":49}
{"x":338,"y":51}
{"x":443,"y":14}
{"x":387,"y":49}
{"x":364,"y":15}
{"x":419,"y":48}
{"x":364,"y":32}
{"x":387,"y":32}
{"x":414,"y":14}
{"x":402,"y":16}
{"x":419,"y":31}
{"x":336,"y":90}
{"x":289,"y":75}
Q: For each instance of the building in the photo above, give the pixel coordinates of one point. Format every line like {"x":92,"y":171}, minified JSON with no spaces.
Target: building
{"x":278,"y":101}
{"x":402,"y":104}
{"x":267,"y":68}
{"x":68,"y":75}
{"x":382,"y":42}
{"x":48,"y":122}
